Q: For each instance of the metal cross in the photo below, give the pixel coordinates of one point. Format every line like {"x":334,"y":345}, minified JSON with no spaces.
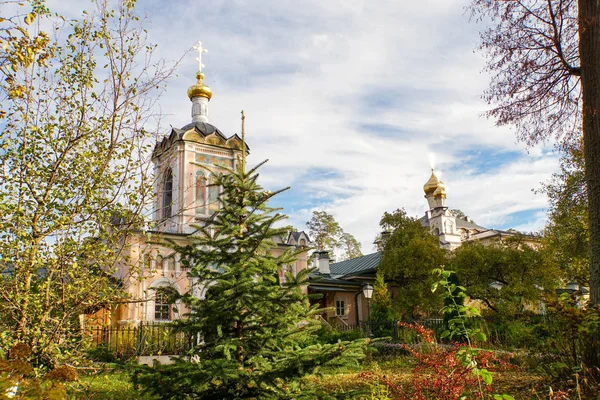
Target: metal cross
{"x":198,"y":47}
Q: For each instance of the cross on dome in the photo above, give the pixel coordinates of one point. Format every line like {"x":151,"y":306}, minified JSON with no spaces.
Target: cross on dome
{"x":198,"y":47}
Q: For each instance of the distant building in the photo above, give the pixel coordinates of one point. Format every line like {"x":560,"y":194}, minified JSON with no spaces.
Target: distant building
{"x":451,"y":230}
{"x":341,"y":284}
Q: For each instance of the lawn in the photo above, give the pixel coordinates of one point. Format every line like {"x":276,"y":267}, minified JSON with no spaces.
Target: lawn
{"x":104,"y":385}
{"x":521,"y":384}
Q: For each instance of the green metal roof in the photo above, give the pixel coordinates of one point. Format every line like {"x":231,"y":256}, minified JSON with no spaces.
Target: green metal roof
{"x":356,"y":265}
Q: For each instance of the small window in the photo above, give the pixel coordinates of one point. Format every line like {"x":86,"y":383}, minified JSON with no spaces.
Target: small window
{"x":340,"y":307}
{"x":201,"y":186}
{"x":146,"y":262}
{"x":169,"y":264}
{"x":213,"y":195}
{"x":158,"y":264}
{"x":162,"y":308}
{"x":168,"y":194}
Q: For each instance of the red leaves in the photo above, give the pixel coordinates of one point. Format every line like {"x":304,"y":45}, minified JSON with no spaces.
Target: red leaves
{"x":438,"y":374}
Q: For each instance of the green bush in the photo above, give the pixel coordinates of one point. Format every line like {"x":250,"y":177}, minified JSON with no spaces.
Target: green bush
{"x":328,"y":335}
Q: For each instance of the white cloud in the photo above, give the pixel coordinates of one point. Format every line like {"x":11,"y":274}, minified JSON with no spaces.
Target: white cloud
{"x":316,"y":78}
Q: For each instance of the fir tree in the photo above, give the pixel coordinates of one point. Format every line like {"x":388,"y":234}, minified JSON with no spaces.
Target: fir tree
{"x":256,"y":332}
{"x":381,"y":304}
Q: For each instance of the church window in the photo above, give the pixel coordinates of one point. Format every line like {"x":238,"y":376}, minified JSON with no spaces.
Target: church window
{"x":213,"y":194}
{"x":340,"y":308}
{"x":146,"y":263}
{"x":168,"y":194}
{"x":158,"y":264}
{"x":162,"y":308}
{"x":201,"y":192}
{"x":288,"y":269}
{"x":169,"y":264}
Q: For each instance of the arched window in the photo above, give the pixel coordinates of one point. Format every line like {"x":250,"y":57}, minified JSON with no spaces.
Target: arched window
{"x":146,"y":263}
{"x":213,"y":195}
{"x":200,"y":192}
{"x":158,"y":265}
{"x":162,"y":307}
{"x":449,"y":227}
{"x":168,"y":194}
{"x":169,"y":264}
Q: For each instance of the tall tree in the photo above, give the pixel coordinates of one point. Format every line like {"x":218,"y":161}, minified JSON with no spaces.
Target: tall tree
{"x":381,"y":303}
{"x":410,"y":255}
{"x":324,"y":230}
{"x":255,"y":329}
{"x":74,"y":103}
{"x":350,"y":246}
{"x":566,"y":236}
{"x":459,"y":214}
{"x":329,"y":235}
{"x":545,"y":57}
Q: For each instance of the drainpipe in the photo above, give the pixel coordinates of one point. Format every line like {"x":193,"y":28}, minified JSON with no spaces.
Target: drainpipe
{"x":356,"y":306}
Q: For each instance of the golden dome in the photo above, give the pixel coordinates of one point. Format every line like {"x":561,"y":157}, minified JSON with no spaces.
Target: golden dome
{"x":440,"y":191}
{"x":432,"y":184}
{"x":199,"y":89}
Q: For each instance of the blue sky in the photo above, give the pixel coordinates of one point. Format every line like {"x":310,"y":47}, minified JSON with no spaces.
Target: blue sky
{"x":350,"y":100}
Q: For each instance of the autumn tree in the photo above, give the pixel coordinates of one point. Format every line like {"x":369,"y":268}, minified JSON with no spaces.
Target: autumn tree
{"x":76,"y":96}
{"x":410,"y":255}
{"x":544,"y":57}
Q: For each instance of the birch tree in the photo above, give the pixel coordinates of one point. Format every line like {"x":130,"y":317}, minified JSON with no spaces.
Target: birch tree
{"x":76,"y":96}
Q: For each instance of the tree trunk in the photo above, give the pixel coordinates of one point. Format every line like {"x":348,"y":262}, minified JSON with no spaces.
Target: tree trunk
{"x":589,"y":52}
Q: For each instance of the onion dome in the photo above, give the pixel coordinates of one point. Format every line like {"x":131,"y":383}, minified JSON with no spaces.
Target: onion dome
{"x":199,"y":89}
{"x":432,"y":184}
{"x":440,"y":191}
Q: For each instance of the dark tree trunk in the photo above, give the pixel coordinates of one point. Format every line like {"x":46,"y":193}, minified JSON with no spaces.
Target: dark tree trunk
{"x":589,"y":51}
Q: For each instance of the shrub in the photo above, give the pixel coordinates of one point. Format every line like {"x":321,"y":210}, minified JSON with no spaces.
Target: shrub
{"x":327,"y":335}
{"x":439,"y":372}
{"x":19,"y":381}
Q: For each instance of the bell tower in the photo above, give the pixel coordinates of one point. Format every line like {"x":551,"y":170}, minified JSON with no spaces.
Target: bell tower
{"x":186,"y":162}
{"x":441,"y":221}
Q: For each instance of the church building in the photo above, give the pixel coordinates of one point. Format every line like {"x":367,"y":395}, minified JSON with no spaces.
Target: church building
{"x":186,"y":162}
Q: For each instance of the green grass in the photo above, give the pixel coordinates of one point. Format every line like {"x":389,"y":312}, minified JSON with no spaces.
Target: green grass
{"x":113,"y":385}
